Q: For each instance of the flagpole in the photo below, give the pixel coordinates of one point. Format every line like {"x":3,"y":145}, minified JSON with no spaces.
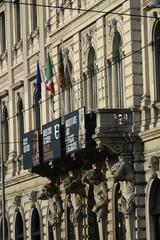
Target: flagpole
{"x":2,"y":176}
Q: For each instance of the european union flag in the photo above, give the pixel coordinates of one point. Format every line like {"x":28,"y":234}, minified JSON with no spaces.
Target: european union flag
{"x":38,"y":84}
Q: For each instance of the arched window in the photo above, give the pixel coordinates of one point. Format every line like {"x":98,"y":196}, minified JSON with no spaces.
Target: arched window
{"x":34,"y":15}
{"x":154,"y":208}
{"x":117,"y":73}
{"x":36,"y":110}
{"x":2,"y":33}
{"x":6,"y":229}
{"x":19,"y":235}
{"x":69,"y":94}
{"x":91,"y":81}
{"x":20,"y":120}
{"x":35,"y":225}
{"x":120,"y":231}
{"x":93,"y":231}
{"x":157,"y":59}
{"x":5,"y":132}
{"x":50,"y":233}
{"x":17,"y":21}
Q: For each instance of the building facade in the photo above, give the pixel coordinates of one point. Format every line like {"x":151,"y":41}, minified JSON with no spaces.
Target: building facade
{"x":84,"y":163}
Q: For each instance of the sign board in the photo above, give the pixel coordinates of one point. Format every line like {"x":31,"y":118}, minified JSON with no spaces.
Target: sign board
{"x":75,"y":138}
{"x":31,"y":149}
{"x":51,"y":140}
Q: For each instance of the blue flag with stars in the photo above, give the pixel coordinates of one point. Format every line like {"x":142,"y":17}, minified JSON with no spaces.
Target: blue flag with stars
{"x":38,"y":84}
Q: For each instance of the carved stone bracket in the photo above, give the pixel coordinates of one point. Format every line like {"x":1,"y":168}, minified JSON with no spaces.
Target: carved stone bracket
{"x":95,"y":178}
{"x":124,"y":173}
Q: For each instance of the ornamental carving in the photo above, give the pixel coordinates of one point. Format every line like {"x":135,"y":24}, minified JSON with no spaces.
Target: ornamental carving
{"x":51,"y":193}
{"x":124,"y":173}
{"x":74,"y":190}
{"x":95,"y":178}
{"x":155,"y":167}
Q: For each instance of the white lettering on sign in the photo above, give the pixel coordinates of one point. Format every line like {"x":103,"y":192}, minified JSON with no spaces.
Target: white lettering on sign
{"x":26,"y":146}
{"x":56,"y":131}
{"x":71,"y":147}
{"x":47,"y":131}
{"x":46,"y":139}
{"x":70,"y":122}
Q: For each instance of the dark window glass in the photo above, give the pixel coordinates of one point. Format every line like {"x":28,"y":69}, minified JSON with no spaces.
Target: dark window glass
{"x":2,"y":33}
{"x":117,"y":56}
{"x":6,"y":230}
{"x":92,"y":80}
{"x":157,"y":58}
{"x":17,"y":20}
{"x":5,"y":132}
{"x":34,"y":15}
{"x":35,"y":225}
{"x":19,"y":227}
{"x":20,"y":124}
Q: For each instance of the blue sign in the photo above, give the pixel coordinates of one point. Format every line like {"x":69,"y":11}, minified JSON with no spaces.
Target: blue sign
{"x":75,"y":135}
{"x":51,"y":140}
{"x":31,"y":149}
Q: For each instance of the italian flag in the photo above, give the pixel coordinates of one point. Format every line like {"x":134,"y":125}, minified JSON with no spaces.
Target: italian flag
{"x":49,"y":75}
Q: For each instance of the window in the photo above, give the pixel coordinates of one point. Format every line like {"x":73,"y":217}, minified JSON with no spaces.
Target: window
{"x":2,"y":33}
{"x":35,"y":225}
{"x":91,"y":81}
{"x":69,"y":94}
{"x":117,"y":73}
{"x":6,"y":229}
{"x":157,"y":59}
{"x":19,"y":227}
{"x":17,"y":21}
{"x":34,"y":15}
{"x":36,"y":110}
{"x":20,"y":121}
{"x":5,"y":132}
{"x":154,"y":208}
